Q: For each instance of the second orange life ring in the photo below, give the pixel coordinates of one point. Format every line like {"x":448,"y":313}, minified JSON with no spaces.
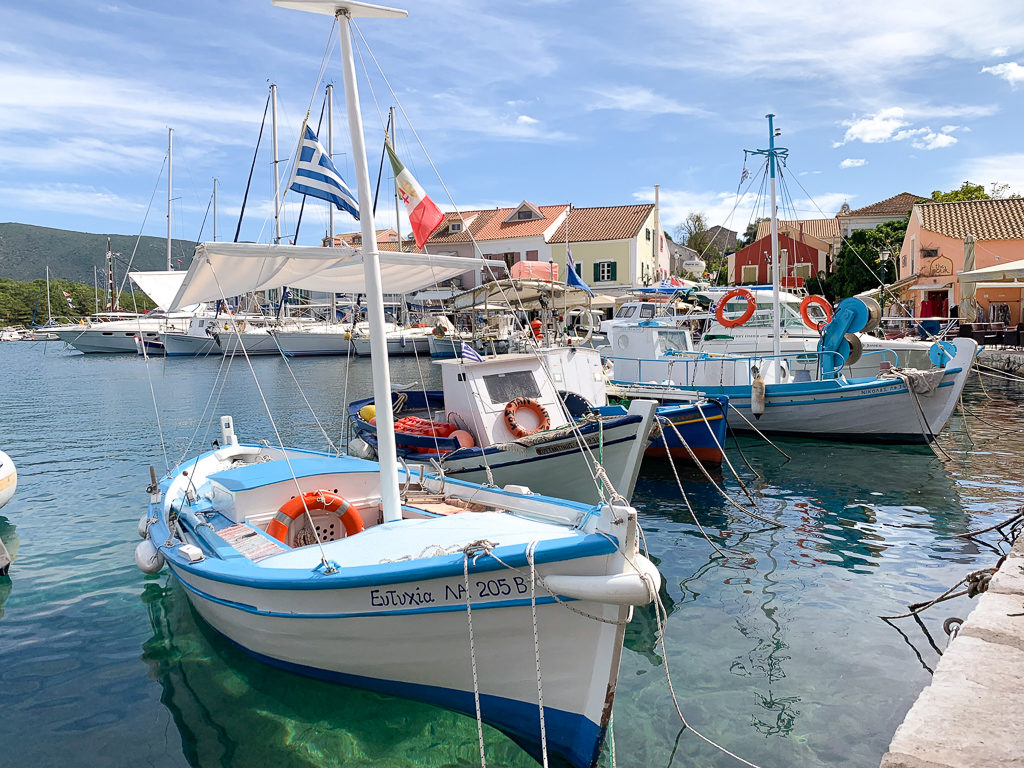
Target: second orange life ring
{"x":515,"y":405}
{"x":292,"y":509}
{"x":822,"y":302}
{"x":735,"y":293}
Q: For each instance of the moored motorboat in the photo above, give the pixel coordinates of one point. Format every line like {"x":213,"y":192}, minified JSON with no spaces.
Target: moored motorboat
{"x":8,"y":478}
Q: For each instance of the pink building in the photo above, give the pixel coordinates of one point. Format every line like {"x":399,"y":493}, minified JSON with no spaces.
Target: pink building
{"x":932,"y":256}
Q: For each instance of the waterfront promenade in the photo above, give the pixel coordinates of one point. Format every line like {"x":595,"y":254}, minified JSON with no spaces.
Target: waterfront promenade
{"x":972,"y":714}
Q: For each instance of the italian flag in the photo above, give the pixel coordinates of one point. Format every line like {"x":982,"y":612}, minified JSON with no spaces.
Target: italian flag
{"x":424,"y":216}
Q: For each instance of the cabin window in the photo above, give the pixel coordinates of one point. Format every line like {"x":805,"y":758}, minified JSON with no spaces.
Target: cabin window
{"x":929,"y":253}
{"x":626,"y":311}
{"x":646,"y":310}
{"x":503,"y":387}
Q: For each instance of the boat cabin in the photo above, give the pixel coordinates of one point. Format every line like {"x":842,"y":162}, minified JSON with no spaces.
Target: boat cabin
{"x":477,"y":395}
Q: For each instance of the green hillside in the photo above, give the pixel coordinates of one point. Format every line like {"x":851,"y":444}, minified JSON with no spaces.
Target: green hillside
{"x":26,"y":250}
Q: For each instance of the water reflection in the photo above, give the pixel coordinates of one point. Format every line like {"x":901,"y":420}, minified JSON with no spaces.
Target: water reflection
{"x":232,"y":710}
{"x":10,"y":541}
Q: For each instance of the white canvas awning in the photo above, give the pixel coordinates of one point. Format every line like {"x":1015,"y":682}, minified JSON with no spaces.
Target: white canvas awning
{"x":1010,"y":284}
{"x":526,"y":293}
{"x":934,"y":284}
{"x":1011,"y":270}
{"x":161,"y":287}
{"x":220,"y":270}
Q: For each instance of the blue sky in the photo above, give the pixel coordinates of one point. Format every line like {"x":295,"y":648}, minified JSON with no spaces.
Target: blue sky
{"x":591,"y":103}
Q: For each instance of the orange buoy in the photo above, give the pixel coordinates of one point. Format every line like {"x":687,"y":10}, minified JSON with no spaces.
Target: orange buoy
{"x":820,"y":301}
{"x":735,"y":293}
{"x":515,"y":405}
{"x":313,"y":501}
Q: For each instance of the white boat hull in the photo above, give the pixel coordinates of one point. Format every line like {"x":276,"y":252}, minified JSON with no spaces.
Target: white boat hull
{"x":188,"y":345}
{"x":397,"y":346}
{"x":8,"y":478}
{"x":310,"y":343}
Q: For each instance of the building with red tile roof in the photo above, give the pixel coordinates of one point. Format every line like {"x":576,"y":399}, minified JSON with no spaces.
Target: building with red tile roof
{"x":870,"y":216}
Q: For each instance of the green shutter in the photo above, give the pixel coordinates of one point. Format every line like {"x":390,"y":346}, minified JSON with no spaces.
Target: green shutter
{"x":597,"y":273}
{"x":614,"y":266}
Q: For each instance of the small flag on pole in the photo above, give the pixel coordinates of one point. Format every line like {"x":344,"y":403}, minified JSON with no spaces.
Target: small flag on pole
{"x":67,"y":298}
{"x":424,"y":216}
{"x":571,"y":278}
{"x":468,"y":353}
{"x":316,"y":176}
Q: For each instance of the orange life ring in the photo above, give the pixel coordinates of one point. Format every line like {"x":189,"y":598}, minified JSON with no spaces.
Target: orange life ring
{"x":314,"y":500}
{"x":822,"y":302}
{"x":735,"y":293}
{"x":513,"y":407}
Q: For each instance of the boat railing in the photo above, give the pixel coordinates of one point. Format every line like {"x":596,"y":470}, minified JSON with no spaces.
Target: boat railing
{"x":682,"y":366}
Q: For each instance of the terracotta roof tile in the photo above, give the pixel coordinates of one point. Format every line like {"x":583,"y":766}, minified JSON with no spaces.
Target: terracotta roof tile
{"x":491,"y":225}
{"x":823,"y":229}
{"x":1001,"y":219}
{"x":897,"y":205}
{"x":613,"y":222}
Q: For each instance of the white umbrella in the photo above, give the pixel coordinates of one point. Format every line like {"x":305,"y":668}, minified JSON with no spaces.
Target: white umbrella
{"x":968,"y":304}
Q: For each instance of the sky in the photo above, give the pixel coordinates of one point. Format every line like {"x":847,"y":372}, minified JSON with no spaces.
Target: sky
{"x":591,"y":103}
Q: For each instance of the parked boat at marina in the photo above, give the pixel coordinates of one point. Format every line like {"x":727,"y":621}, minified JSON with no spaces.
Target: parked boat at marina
{"x":8,"y":478}
{"x":375,"y":607}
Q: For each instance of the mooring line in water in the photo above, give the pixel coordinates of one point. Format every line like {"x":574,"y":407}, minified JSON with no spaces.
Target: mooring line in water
{"x":977,"y":582}
{"x":997,"y":527}
{"x":687,"y":500}
{"x":736,"y":445}
{"x":721,"y":490}
{"x":760,"y":434}
{"x":662,"y":616}
{"x":963,"y":415}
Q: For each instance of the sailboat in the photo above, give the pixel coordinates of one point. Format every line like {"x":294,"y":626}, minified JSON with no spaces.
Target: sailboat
{"x":397,"y":578}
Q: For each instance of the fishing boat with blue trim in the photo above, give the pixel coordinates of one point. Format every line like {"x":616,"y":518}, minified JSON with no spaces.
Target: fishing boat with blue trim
{"x":500,"y":603}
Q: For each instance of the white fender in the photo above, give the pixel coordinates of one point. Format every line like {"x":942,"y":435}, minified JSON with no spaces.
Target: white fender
{"x":630,"y":588}
{"x":757,"y":396}
{"x":144,"y":526}
{"x":148,"y":557}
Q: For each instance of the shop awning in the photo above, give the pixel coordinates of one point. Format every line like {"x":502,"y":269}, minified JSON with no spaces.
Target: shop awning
{"x":1011,"y":270}
{"x":933,"y":284}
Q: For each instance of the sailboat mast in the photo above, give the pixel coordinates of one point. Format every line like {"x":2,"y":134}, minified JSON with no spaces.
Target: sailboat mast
{"x":170,"y":135}
{"x":776,"y":326}
{"x":393,"y":140}
{"x":330,"y":154}
{"x":386,"y":454}
{"x":277,"y":182}
{"x":215,"y":210}
{"x":49,"y":312}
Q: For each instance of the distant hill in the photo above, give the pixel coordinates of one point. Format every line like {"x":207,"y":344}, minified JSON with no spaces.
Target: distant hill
{"x":26,"y":250}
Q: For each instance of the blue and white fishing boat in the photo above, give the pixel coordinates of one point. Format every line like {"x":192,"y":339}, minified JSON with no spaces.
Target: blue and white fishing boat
{"x":794,"y":393}
{"x":496,"y":602}
{"x":8,"y":478}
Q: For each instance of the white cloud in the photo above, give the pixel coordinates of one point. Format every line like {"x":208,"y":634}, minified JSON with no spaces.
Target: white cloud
{"x":992,"y":169}
{"x":875,"y":129}
{"x":932,"y":140}
{"x":74,"y":198}
{"x":639,"y":99}
{"x":1010,"y":71}
{"x":853,"y":162}
{"x":1000,"y":51}
{"x":891,"y":124}
{"x":526,"y":120}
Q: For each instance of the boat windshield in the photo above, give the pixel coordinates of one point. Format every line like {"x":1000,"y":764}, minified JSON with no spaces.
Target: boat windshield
{"x":670,"y":341}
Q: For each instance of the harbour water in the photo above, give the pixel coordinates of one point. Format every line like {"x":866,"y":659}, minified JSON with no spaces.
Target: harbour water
{"x":775,"y":647}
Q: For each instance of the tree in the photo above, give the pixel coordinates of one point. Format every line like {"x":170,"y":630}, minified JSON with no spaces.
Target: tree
{"x":967,"y":191}
{"x":750,"y":234}
{"x":693,"y":233}
{"x":858,"y":265}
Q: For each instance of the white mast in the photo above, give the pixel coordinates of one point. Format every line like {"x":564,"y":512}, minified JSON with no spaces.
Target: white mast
{"x":277,"y":183}
{"x":393,"y":140}
{"x":776,"y":328}
{"x":170,"y":136}
{"x":386,"y":454}
{"x":330,"y":154}
{"x":215,"y":210}
{"x":49,"y":312}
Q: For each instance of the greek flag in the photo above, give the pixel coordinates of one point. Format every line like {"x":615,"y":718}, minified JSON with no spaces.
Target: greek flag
{"x":316,"y":176}
{"x":468,"y":353}
{"x":571,"y":278}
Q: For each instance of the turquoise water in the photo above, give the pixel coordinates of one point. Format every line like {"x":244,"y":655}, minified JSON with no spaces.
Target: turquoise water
{"x":775,"y":650}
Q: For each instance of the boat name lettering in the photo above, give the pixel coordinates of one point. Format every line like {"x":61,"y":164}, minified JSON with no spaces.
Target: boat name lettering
{"x":386,"y":598}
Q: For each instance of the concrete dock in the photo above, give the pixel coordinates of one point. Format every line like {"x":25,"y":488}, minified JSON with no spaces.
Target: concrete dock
{"x":972,"y":714}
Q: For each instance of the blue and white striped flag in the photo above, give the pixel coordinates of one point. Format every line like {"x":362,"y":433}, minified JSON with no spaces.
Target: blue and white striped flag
{"x":316,"y":176}
{"x":468,"y":353}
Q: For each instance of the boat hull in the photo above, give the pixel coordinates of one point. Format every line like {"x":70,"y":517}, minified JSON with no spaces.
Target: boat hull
{"x":404,"y":345}
{"x":308,"y":344}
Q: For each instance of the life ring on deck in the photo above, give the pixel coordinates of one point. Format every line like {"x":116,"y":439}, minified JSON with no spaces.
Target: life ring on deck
{"x":822,"y":302}
{"x":515,"y":405}
{"x":296,"y":506}
{"x":735,"y":293}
